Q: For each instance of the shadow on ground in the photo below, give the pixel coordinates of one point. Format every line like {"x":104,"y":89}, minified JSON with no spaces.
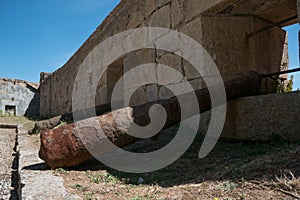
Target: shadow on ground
{"x":232,"y":161}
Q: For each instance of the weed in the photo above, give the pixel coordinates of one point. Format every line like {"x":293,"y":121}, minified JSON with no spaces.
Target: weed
{"x":79,"y":187}
{"x":3,"y":114}
{"x":103,"y":178}
{"x":284,"y":86}
{"x":61,"y":123}
{"x":89,"y":196}
{"x":62,"y":171}
{"x":287,"y":182}
{"x":242,"y":196}
{"x":229,"y":186}
{"x":35,"y":131}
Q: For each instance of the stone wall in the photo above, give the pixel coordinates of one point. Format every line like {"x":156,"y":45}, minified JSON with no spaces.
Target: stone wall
{"x":220,"y":26}
{"x":246,"y":120}
{"x":19,"y":97}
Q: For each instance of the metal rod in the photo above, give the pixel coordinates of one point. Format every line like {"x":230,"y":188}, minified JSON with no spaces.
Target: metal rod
{"x":271,"y":26}
{"x":282,"y":72}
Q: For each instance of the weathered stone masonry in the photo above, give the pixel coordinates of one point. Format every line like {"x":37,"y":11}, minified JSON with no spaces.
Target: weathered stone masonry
{"x":19,"y":97}
{"x":220,"y":26}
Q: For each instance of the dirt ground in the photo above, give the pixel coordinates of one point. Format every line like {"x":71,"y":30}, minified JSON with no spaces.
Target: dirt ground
{"x":27,"y":123}
{"x":8,"y":156}
{"x":7,"y":142}
{"x":233,"y":170}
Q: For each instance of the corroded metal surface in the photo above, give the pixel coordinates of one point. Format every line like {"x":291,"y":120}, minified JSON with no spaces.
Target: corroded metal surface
{"x":62,"y":147}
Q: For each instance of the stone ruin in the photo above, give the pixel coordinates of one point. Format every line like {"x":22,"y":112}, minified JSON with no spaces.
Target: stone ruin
{"x":240,"y":36}
{"x":229,"y":30}
{"x":19,"y":98}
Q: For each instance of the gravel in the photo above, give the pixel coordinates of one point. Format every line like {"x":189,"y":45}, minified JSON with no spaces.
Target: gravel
{"x":7,"y":144}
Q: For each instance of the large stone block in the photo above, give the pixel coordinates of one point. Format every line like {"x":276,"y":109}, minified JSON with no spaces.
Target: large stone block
{"x":192,"y":8}
{"x":177,"y":12}
{"x":193,"y":29}
{"x":269,"y":61}
{"x":160,"y":18}
{"x":135,"y":20}
{"x":173,"y":61}
{"x":148,"y":7}
{"x":260,"y":118}
{"x":102,"y":95}
{"x":114,"y":73}
{"x":198,"y":84}
{"x":137,"y":58}
{"x":165,"y":93}
{"x":225,"y":40}
{"x":196,"y":7}
{"x":160,"y":3}
{"x":151,"y":92}
{"x":118,"y":23}
{"x":138,"y":97}
{"x":190,"y":71}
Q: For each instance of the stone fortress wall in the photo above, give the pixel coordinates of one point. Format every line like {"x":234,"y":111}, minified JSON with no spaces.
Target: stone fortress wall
{"x":220,"y":26}
{"x":19,"y":98}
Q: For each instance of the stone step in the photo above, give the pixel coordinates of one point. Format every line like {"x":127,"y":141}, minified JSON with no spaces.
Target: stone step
{"x":22,"y":169}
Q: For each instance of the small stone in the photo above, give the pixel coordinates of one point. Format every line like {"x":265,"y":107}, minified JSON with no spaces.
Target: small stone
{"x":140,"y":180}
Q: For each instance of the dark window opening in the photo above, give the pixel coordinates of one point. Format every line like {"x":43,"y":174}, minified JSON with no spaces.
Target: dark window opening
{"x":11,"y":110}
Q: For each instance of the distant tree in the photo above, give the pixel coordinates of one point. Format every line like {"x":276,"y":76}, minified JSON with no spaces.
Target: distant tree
{"x":285,"y":86}
{"x":289,"y":86}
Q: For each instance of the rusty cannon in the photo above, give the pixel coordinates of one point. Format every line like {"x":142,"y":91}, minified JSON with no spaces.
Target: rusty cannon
{"x":65,"y":146}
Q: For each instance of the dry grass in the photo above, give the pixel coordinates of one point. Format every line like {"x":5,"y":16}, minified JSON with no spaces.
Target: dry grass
{"x":287,"y":183}
{"x":232,"y":171}
{"x":27,"y":123}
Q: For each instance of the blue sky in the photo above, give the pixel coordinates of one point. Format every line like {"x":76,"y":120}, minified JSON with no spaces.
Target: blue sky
{"x":41,"y":35}
{"x":294,"y":52}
